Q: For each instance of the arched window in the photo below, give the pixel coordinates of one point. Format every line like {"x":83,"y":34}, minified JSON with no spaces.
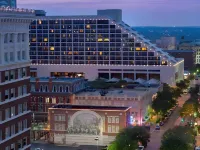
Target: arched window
{"x":66,"y":89}
{"x":41,"y":88}
{"x":46,"y":88}
{"x":32,"y":88}
{"x":54,"y":89}
{"x":61,"y":88}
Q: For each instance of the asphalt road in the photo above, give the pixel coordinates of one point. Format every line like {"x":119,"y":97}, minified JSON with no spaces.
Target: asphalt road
{"x":155,"y":140}
{"x":46,"y":146}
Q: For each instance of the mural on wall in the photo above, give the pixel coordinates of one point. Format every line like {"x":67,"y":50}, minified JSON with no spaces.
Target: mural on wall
{"x":85,"y":123}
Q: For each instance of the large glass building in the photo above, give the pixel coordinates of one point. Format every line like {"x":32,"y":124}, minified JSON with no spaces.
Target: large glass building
{"x":97,"y":46}
{"x":10,"y":3}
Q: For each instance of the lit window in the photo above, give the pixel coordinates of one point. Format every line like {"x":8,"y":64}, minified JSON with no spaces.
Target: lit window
{"x":52,"y":48}
{"x":33,"y":39}
{"x":144,"y":48}
{"x":52,"y":31}
{"x":39,"y":22}
{"x":88,"y":26}
{"x":81,"y":31}
{"x":100,"y":39}
{"x":88,"y":49}
{"x":45,"y":39}
{"x":63,"y":35}
{"x":100,"y":53}
{"x":69,"y":53}
{"x":47,"y":99}
{"x":106,"y":40}
{"x":138,"y":49}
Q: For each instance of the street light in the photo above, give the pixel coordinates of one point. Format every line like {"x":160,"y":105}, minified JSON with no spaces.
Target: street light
{"x":97,"y":139}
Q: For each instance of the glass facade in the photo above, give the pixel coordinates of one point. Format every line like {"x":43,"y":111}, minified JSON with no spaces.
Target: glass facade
{"x":10,"y":3}
{"x":87,"y":41}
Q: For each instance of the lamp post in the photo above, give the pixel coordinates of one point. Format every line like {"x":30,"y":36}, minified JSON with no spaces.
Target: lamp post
{"x":97,"y":139}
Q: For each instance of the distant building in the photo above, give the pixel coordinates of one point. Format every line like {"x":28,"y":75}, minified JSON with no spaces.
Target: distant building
{"x":78,"y":124}
{"x":47,"y":92}
{"x":191,"y":45}
{"x":15,"y":115}
{"x":8,"y":3}
{"x":188,"y":55}
{"x":168,"y":43}
{"x":138,"y":100}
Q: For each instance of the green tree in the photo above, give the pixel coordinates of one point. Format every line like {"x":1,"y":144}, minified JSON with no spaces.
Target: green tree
{"x":164,"y":100}
{"x":178,"y":138}
{"x":129,"y":137}
{"x":188,"y":110}
{"x":183,"y":84}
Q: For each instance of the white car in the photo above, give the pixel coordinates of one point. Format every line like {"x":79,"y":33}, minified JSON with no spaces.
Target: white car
{"x":38,"y":149}
{"x":197,"y":148}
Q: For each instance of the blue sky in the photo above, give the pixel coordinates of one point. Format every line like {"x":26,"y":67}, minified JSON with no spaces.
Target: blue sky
{"x":135,"y":12}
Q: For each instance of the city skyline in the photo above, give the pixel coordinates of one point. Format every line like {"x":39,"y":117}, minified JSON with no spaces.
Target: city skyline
{"x":135,"y":12}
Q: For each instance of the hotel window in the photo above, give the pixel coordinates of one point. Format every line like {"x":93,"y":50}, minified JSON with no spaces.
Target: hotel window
{"x":19,"y":126}
{"x":60,"y":99}
{"x":61,"y":88}
{"x":144,"y":49}
{"x":19,"y":143}
{"x":113,"y":119}
{"x":19,"y":55}
{"x":100,"y":53}
{"x":23,"y":37}
{"x":0,"y":135}
{"x":12,"y":146}
{"x":24,"y":89}
{"x":32,"y":88}
{"x":0,"y":115}
{"x":109,"y":128}
{"x":12,"y":74}
{"x":88,"y":26}
{"x":6,"y":38}
{"x":13,"y":129}
{"x":24,"y":141}
{"x":117,"y":120}
{"x":33,"y":40}
{"x":25,"y":106}
{"x":53,"y":100}
{"x":117,"y":129}
{"x":7,"y":114}
{"x":100,"y":40}
{"x":7,"y":133}
{"x":19,"y":108}
{"x":25,"y":123}
{"x":11,"y":56}
{"x":113,"y":129}
{"x":12,"y":111}
{"x":46,"y":88}
{"x":52,"y":48}
{"x":11,"y":38}
{"x":12,"y":93}
{"x":23,"y":55}
{"x":7,"y":148}
{"x":41,"y":88}
{"x":20,"y":91}
{"x":6,"y":94}
{"x":23,"y":72}
{"x":45,"y":39}
{"x":47,"y":99}
{"x":66,"y":89}
{"x":138,"y":49}
{"x":7,"y":76}
{"x":54,"y":89}
{"x":109,"y":119}
{"x":39,"y":22}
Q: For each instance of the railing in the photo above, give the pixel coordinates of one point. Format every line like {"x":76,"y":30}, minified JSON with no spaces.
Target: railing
{"x":18,"y":10}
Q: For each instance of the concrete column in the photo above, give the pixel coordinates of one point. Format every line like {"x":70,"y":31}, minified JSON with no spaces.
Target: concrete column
{"x":1,"y":48}
{"x":135,"y":76}
{"x":15,"y":46}
{"x":27,"y":49}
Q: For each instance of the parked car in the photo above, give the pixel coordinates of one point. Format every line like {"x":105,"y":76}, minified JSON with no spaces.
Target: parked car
{"x":197,"y":148}
{"x":157,"y":127}
{"x":141,"y":148}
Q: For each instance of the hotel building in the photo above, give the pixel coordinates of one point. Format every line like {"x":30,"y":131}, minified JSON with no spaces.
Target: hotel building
{"x":15,"y":116}
{"x":81,"y":125}
{"x":98,"y":46}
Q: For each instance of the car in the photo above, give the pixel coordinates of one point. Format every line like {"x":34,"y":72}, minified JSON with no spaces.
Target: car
{"x":157,"y":127}
{"x":38,"y":149}
{"x":197,"y":148}
{"x":140,"y":148}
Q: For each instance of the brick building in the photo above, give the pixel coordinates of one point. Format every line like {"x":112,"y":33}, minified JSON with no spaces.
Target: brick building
{"x":138,"y":100}
{"x":47,"y":92}
{"x":15,"y":116}
{"x":82,"y":124}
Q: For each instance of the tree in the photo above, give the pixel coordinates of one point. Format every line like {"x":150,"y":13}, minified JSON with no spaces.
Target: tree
{"x":178,"y":138}
{"x":164,"y":100}
{"x":188,"y":110}
{"x":183,"y":84}
{"x":129,"y":138}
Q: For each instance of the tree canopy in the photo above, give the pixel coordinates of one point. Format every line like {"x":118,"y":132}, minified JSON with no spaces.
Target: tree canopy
{"x":178,"y":138}
{"x":188,"y":110}
{"x":129,"y":138}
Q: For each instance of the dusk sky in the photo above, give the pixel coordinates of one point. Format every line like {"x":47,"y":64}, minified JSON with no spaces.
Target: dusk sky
{"x":135,"y":12}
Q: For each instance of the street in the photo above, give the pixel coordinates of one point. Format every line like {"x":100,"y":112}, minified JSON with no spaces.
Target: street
{"x":47,"y":146}
{"x":155,"y":140}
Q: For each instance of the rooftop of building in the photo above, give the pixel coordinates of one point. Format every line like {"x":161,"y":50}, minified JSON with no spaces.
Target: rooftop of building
{"x":10,"y":12}
{"x":117,"y":92}
{"x":179,"y":51}
{"x":54,"y":79}
{"x":82,"y":107}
